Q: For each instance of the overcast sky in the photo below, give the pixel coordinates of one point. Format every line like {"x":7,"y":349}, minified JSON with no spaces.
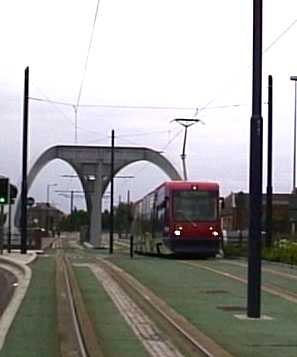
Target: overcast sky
{"x":183,"y":54}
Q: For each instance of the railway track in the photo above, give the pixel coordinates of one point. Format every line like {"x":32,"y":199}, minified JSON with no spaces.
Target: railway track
{"x":163,"y":332}
{"x":271,"y":288}
{"x":266,"y":270}
{"x":188,"y":339}
{"x":77,"y":337}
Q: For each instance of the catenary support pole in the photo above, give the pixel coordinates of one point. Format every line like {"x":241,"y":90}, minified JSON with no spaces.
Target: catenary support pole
{"x":111,"y":193}
{"x":256,"y":158}
{"x":183,"y":155}
{"x":294,"y":143}
{"x":1,"y":228}
{"x":9,"y":225}
{"x":268,"y":240}
{"x":71,"y":201}
{"x":24,"y":167}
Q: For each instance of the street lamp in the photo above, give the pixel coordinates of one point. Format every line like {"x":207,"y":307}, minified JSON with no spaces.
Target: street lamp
{"x":186,"y":123}
{"x":65,"y":193}
{"x":48,"y":191}
{"x":294,"y":78}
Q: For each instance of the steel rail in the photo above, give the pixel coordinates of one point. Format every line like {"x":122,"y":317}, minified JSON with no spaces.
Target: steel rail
{"x":75,"y":319}
{"x":266,"y":270}
{"x":190,"y":334}
{"x":83,"y":329}
{"x":269,"y":288}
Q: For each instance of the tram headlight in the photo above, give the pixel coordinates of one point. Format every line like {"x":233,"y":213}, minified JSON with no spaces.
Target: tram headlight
{"x":215,"y":234}
{"x":177,"y":231}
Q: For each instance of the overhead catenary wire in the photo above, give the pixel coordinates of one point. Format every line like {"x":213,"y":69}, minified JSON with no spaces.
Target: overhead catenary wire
{"x":161,"y":150}
{"x":76,"y":106}
{"x":208,"y":106}
{"x":196,"y":109}
{"x":87,"y":57}
{"x":287,"y":29}
{"x":136,"y":107}
{"x":264,"y":51}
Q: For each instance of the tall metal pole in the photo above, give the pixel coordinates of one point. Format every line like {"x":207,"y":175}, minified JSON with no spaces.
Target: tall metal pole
{"x":71,"y":201}
{"x":9,"y":226}
{"x":24,"y":166}
{"x":294,"y":149}
{"x":47,"y":193}
{"x":1,"y":228}
{"x":186,"y":123}
{"x":72,"y":219}
{"x":47,"y":207}
{"x":48,"y":204}
{"x":256,"y":159}
{"x":268,"y":240}
{"x":183,"y":155}
{"x":294,"y":78}
{"x":75,"y":107}
{"x":111,"y":193}
{"x":128,"y":197}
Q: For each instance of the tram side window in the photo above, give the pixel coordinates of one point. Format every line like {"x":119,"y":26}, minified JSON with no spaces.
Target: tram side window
{"x":160,"y":218}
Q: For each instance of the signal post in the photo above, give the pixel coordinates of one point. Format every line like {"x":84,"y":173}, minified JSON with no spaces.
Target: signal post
{"x":4,"y":200}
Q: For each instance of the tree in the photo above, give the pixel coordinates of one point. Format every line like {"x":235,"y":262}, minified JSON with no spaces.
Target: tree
{"x":123,"y":218}
{"x":74,"y":221}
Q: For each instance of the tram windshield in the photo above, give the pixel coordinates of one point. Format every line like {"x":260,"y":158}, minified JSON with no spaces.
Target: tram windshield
{"x":194,"y":206}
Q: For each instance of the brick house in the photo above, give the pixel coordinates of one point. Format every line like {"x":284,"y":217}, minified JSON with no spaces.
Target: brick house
{"x":45,"y":216}
{"x":235,"y":214}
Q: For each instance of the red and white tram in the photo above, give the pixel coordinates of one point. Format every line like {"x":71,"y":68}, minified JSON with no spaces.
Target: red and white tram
{"x":180,"y":217}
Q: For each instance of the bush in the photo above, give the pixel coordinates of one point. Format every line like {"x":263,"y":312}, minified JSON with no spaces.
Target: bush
{"x":232,"y":251}
{"x":285,"y":252}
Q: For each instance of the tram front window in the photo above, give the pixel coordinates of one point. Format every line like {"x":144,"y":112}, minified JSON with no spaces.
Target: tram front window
{"x":194,"y":206}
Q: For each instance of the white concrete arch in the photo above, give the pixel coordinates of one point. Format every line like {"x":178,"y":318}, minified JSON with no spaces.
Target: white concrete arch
{"x":92,"y":163}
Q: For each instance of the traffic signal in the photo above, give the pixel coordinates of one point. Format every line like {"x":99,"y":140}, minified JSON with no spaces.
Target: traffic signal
{"x":4,"y":191}
{"x":13,"y":193}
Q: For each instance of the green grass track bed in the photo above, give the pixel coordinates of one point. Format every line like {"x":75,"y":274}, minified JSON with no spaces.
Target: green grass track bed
{"x":114,"y":334}
{"x":200,"y":294}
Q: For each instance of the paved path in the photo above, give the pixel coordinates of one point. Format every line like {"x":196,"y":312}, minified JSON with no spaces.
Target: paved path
{"x":15,"y":264}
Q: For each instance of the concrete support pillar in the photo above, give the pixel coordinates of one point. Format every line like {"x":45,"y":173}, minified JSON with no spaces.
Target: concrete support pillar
{"x":95,"y":216}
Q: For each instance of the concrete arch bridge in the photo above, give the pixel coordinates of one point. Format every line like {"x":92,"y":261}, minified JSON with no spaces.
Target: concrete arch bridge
{"x":95,"y":162}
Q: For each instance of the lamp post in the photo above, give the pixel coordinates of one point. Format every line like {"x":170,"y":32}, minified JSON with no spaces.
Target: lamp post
{"x":48,"y":191}
{"x":186,"y":123}
{"x":70,"y":194}
{"x":48,"y":202}
{"x":294,"y":78}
